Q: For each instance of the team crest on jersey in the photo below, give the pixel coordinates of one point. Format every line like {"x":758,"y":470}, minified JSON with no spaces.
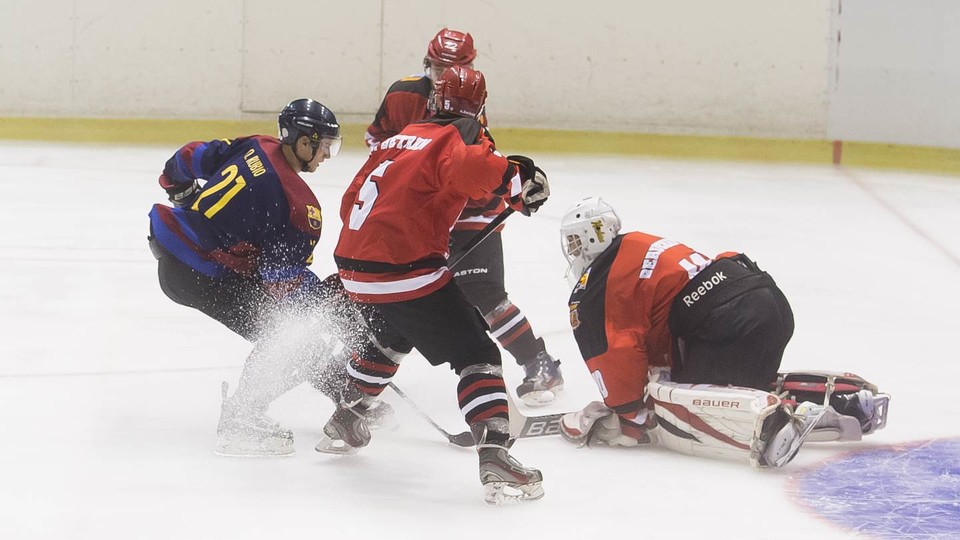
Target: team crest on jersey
{"x":574,"y":315}
{"x":582,"y":282}
{"x":314,"y":218}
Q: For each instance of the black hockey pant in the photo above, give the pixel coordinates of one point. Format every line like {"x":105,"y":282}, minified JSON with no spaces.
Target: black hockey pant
{"x":738,"y":334}
{"x":236,"y":301}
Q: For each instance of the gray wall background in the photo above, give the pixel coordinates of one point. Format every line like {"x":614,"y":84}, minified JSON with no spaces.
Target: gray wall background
{"x":868,"y":70}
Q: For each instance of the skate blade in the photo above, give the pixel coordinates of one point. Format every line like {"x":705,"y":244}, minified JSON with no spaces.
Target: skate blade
{"x":503,"y":493}
{"x":539,"y":398}
{"x":233,"y":449}
{"x":328,"y":445}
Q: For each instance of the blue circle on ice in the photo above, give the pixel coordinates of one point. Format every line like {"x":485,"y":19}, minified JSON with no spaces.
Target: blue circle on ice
{"x":909,"y":491}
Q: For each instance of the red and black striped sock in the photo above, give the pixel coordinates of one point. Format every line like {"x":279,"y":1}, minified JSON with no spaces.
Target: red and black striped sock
{"x":510,"y":327}
{"x":482,"y":394}
{"x":371,"y":371}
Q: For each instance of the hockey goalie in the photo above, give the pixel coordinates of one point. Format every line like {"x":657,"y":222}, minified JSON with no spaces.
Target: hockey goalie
{"x":686,"y":351}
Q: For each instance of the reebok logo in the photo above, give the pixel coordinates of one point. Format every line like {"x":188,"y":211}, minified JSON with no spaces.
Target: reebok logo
{"x":703,"y":289}
{"x":469,"y":271}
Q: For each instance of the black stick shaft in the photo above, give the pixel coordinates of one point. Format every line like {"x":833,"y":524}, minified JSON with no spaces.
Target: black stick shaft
{"x":479,"y":237}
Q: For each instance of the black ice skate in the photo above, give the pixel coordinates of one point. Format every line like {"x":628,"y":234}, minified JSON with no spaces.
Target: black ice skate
{"x":542,"y":381}
{"x":246,"y":431}
{"x":504,"y":479}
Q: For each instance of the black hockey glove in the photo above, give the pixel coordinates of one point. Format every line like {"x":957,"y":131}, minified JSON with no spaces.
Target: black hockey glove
{"x":183,"y":194}
{"x":536,"y":188}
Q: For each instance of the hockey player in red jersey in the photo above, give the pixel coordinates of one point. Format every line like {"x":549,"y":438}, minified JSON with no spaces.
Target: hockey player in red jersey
{"x":236,"y":245}
{"x":392,"y":257}
{"x":710,"y":330}
{"x":480,"y":274}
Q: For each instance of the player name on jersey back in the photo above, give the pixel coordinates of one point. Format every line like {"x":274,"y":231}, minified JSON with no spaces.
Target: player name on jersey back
{"x":405,"y":142}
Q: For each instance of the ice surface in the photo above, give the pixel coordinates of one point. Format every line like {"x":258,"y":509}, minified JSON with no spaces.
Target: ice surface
{"x":109,"y":392}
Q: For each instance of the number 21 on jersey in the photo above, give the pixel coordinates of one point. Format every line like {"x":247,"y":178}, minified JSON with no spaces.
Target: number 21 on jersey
{"x":367,"y":196}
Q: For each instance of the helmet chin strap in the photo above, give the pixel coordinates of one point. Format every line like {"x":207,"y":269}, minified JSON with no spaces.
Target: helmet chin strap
{"x":303,"y":164}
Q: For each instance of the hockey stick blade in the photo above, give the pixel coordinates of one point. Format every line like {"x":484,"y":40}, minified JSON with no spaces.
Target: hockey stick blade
{"x":523,"y":427}
{"x":464,"y":439}
{"x":540,"y":426}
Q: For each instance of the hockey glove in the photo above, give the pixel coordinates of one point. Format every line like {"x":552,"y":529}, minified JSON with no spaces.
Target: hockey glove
{"x":535,"y":192}
{"x":597,"y":424}
{"x":536,"y":188}
{"x":180,"y":195}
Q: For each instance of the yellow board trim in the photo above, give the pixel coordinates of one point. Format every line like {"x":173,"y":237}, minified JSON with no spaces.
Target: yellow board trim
{"x":513,"y":140}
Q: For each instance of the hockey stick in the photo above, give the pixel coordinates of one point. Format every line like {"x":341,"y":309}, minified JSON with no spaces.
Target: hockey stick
{"x":526,"y":427}
{"x":464,"y":439}
{"x":479,"y":237}
{"x":521,"y":426}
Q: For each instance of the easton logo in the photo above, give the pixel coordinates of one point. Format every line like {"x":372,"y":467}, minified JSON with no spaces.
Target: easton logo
{"x":469,"y":271}
{"x":704,"y":288}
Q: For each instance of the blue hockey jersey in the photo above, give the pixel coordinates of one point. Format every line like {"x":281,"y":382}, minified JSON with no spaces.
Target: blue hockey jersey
{"x":254,"y":215}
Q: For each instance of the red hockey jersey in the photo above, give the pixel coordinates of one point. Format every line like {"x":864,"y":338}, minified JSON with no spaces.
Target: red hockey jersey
{"x":398,"y":211}
{"x":406,"y":102}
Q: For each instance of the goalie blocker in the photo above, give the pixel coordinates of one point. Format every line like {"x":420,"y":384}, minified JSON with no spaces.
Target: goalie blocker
{"x":765,"y":429}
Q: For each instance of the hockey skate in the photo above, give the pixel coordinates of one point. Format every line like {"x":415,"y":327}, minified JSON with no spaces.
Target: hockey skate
{"x":333,"y":382}
{"x":542,"y":381}
{"x":783,"y":433}
{"x":347,"y":431}
{"x":247,"y":431}
{"x":504,"y":479}
{"x":379,"y":416}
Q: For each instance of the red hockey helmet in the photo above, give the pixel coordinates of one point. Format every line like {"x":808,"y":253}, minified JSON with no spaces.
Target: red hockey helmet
{"x":450,"y":47}
{"x":460,"y":91}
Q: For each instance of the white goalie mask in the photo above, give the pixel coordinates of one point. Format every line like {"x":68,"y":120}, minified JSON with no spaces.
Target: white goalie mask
{"x":586,"y":230}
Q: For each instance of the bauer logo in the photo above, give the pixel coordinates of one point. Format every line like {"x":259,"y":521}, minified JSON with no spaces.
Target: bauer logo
{"x":723,"y":404}
{"x":704,"y":288}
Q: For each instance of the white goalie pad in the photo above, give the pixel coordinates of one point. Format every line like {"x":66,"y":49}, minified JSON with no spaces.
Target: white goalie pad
{"x":851,"y":406}
{"x":712,"y":421}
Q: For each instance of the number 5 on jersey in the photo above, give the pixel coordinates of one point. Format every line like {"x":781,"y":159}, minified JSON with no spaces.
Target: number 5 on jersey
{"x":367,"y":196}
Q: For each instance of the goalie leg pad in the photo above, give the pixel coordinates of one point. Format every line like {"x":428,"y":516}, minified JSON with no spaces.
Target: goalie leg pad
{"x":714,"y":421}
{"x":847,"y":397}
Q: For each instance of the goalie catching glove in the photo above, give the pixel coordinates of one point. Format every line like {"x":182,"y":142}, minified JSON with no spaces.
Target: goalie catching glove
{"x":598,"y":424}
{"x":536,"y":188}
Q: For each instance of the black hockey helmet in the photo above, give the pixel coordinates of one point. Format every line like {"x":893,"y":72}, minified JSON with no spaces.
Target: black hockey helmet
{"x":310,"y":118}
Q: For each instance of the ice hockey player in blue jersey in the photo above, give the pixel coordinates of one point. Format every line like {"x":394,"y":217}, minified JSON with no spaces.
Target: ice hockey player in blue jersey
{"x":249,"y":231}
{"x":236,"y":245}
